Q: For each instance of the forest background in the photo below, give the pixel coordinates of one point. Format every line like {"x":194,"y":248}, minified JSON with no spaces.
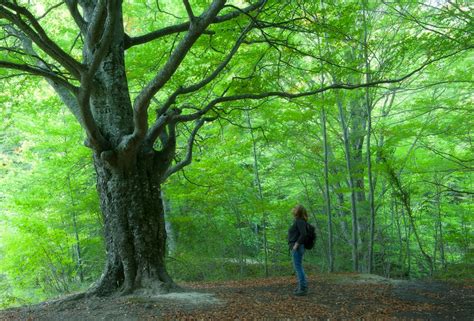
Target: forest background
{"x":386,"y":170}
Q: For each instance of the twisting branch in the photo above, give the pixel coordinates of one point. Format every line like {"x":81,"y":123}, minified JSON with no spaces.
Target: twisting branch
{"x":158,"y":127}
{"x":49,"y":10}
{"x":189,"y":151}
{"x":95,"y":27}
{"x":95,"y":137}
{"x":105,"y":40}
{"x":76,"y":15}
{"x":182,"y":27}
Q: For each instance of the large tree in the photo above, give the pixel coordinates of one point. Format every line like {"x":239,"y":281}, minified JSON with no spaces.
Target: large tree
{"x":134,"y":152}
{"x":130,"y":163}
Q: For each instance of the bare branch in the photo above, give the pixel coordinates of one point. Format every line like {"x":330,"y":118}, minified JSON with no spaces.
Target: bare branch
{"x":221,"y":66}
{"x":450,"y":189}
{"x":466,"y":163}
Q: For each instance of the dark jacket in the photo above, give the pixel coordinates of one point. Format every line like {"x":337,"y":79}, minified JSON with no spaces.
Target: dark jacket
{"x":297,"y":232}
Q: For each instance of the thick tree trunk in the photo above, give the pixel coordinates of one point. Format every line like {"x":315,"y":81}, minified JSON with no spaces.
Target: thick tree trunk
{"x":135,"y":232}
{"x":128,"y":180}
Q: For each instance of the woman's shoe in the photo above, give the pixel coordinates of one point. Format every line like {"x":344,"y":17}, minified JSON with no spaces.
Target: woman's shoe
{"x":301,"y":292}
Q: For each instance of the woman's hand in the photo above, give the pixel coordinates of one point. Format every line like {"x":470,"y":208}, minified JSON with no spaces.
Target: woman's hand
{"x":295,"y":247}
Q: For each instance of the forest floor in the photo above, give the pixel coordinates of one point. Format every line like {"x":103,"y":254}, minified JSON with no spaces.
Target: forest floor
{"x":347,"y":296}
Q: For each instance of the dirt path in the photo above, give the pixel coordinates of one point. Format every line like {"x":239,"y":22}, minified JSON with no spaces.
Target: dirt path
{"x":335,"y":296}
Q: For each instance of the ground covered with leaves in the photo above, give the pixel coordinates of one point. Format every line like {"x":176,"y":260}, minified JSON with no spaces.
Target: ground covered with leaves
{"x":331,"y":296}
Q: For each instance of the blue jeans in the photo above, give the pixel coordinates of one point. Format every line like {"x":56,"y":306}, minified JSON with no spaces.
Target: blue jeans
{"x":297,"y":257}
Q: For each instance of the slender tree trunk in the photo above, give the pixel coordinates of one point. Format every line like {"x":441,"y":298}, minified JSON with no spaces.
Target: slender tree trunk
{"x":394,"y":210}
{"x":369,"y":156}
{"x":355,"y":258}
{"x":440,"y":237}
{"x":326,"y":191}
{"x":327,"y":196}
{"x":241,"y":246}
{"x":260,"y":192}
{"x":405,"y":199}
{"x":342,"y":214}
{"x":239,"y":222}
{"x":170,"y":239}
{"x":408,"y":242}
{"x":77,"y":246}
{"x":336,"y":187}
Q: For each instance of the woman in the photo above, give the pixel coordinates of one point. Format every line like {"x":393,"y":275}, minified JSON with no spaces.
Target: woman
{"x":296,"y":237}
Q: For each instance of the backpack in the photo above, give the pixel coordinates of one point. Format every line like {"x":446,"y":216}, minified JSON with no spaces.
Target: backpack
{"x":310,"y":237}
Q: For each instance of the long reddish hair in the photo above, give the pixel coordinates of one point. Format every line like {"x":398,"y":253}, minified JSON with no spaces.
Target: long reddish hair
{"x":300,"y":212}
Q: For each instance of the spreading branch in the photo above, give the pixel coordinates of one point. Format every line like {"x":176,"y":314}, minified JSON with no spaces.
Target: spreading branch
{"x":142,"y":101}
{"x":45,"y":73}
{"x":287,"y":95}
{"x":183,"y":27}
{"x":154,"y":131}
{"x":65,"y":90}
{"x":31,"y":27}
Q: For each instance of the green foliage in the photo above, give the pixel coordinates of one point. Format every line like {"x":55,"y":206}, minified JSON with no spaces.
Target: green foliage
{"x":220,"y":225}
{"x":48,"y":198}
